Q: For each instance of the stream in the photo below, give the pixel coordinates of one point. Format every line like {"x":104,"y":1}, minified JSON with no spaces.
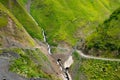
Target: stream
{"x":45,"y":40}
{"x":63,"y":67}
{"x":67,"y":64}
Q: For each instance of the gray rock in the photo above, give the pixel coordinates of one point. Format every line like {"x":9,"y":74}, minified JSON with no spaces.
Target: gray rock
{"x":4,"y":71}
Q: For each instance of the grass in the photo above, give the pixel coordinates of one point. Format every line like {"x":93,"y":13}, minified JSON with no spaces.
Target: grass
{"x":69,"y":21}
{"x":89,"y":69}
{"x":19,"y":28}
{"x":24,"y":18}
{"x":3,"y":19}
{"x":10,"y":14}
{"x":105,"y":70}
{"x":27,"y":67}
{"x":62,"y":19}
{"x":23,"y":2}
{"x":31,"y":64}
{"x":107,"y":36}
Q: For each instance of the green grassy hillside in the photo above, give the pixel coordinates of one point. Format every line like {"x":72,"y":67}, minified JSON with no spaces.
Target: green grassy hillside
{"x":90,"y":69}
{"x":11,"y":28}
{"x":68,"y":20}
{"x":63,"y":21}
{"x":30,"y":63}
{"x":107,"y":36}
{"x":23,"y":17}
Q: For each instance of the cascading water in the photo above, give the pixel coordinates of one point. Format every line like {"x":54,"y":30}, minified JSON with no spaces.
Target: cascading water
{"x":68,"y":77}
{"x":63,"y":68}
{"x":49,"y":49}
{"x":67,"y":64}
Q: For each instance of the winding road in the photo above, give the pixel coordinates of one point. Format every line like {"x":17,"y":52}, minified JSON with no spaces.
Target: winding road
{"x":78,"y":51}
{"x":97,"y":58}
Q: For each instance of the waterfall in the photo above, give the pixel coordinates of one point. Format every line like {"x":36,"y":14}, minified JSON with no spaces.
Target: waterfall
{"x":49,"y":49}
{"x":48,"y":46}
{"x":67,"y":64}
{"x":43,"y":33}
{"x":62,"y":67}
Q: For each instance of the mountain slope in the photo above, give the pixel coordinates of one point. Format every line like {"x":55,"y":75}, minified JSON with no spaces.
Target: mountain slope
{"x":91,"y":69}
{"x":107,"y":36}
{"x":12,"y":32}
{"x":65,"y":22}
{"x":24,"y":18}
{"x":68,"y":21}
{"x":20,"y":54}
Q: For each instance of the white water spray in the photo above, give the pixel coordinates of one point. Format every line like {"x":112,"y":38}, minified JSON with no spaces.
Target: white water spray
{"x":66,"y":64}
{"x":49,"y":49}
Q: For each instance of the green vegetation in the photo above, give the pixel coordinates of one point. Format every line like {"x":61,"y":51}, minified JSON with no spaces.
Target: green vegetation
{"x":7,"y":13}
{"x":96,"y":69}
{"x":24,"y":18}
{"x":23,"y":2}
{"x":31,"y":64}
{"x":63,"y":20}
{"x":107,"y":36}
{"x":19,"y":30}
{"x":25,"y":65}
{"x":88,"y":69}
{"x":3,"y":19}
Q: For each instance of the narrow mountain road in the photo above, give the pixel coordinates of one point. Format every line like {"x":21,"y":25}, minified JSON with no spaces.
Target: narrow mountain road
{"x":79,"y":52}
{"x":97,"y":58}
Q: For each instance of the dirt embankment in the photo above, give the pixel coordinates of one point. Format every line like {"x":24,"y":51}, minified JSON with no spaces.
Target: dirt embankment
{"x":13,"y":36}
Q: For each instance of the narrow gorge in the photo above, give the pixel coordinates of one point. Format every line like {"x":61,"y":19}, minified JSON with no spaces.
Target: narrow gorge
{"x":59,"y":39}
{"x":64,"y":67}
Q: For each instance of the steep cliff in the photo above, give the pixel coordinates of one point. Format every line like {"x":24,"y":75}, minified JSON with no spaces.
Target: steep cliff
{"x":21,"y":54}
